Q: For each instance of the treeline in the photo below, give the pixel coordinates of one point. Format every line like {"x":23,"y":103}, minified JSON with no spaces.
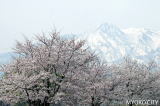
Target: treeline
{"x":55,"y":71}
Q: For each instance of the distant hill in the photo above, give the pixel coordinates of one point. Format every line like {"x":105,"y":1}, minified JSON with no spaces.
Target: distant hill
{"x":5,"y":57}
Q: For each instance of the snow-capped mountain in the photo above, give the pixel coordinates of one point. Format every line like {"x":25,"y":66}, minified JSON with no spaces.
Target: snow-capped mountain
{"x":112,"y":43}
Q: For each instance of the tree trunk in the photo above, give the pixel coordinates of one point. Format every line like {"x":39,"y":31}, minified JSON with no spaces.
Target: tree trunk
{"x":95,"y":104}
{"x":131,"y":104}
{"x":29,"y":103}
{"x":46,"y":104}
{"x":35,"y":103}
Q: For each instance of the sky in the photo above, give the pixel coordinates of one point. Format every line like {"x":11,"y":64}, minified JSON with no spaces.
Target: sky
{"x":19,"y":18}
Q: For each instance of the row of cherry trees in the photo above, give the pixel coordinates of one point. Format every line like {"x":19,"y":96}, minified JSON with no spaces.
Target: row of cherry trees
{"x":54,"y":70}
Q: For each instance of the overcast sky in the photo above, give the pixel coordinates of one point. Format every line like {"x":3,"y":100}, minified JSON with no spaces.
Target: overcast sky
{"x":29,"y":17}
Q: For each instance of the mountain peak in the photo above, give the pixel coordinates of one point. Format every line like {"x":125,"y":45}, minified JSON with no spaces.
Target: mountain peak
{"x":107,"y":27}
{"x":110,"y":29}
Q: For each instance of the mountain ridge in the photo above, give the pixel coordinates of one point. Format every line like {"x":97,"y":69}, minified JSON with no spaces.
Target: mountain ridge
{"x":112,"y":43}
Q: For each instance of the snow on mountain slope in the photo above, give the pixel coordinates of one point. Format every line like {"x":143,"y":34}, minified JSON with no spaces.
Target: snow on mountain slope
{"x":112,"y":43}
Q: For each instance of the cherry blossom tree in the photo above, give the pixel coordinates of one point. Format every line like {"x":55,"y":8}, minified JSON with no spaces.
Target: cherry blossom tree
{"x":43,"y":70}
{"x":139,"y":80}
{"x":52,"y":70}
